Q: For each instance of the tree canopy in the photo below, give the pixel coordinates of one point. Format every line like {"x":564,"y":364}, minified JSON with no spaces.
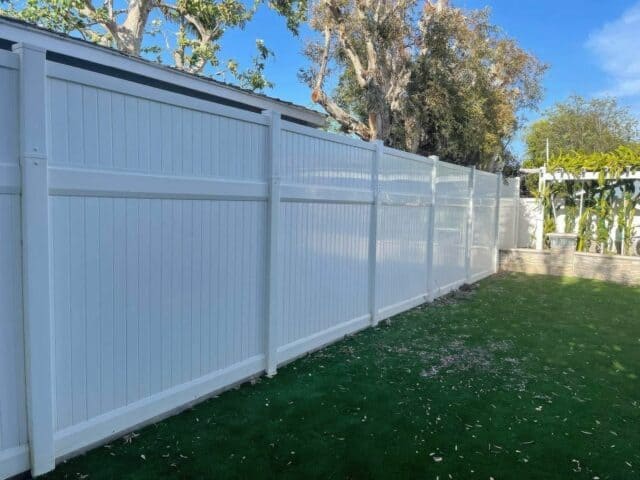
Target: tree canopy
{"x":598,"y":125}
{"x":191,"y":29}
{"x":424,"y":77}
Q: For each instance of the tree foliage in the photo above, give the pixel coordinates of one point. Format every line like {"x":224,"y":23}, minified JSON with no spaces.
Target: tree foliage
{"x":368,"y":41}
{"x":593,"y":126}
{"x":140,"y":27}
{"x":424,"y":77}
{"x":468,"y":87}
{"x":612,"y":163}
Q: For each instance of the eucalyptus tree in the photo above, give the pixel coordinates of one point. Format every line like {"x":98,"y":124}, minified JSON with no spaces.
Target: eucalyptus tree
{"x":370,"y":42}
{"x":422,"y":76}
{"x":144,"y":27}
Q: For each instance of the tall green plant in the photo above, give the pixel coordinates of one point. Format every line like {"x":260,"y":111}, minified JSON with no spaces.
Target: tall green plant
{"x":604,"y":221}
{"x":610,"y":199}
{"x":585,"y":235}
{"x":626,"y":214}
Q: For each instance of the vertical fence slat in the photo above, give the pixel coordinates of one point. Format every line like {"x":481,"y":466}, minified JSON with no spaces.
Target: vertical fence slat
{"x":469,"y":233}
{"x":516,"y":213}
{"x":496,"y":230}
{"x":35,"y":255}
{"x":431,"y":284}
{"x":373,"y":231}
{"x":273,"y":240}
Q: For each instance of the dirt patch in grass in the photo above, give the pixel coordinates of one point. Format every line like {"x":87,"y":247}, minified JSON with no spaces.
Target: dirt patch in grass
{"x":457,"y":357}
{"x":465,"y":292}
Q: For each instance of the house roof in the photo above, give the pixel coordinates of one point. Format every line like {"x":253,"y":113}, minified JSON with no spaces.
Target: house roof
{"x":63,"y":48}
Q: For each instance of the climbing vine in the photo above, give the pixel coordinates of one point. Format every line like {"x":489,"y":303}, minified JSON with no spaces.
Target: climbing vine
{"x":614,"y":163}
{"x":609,"y":201}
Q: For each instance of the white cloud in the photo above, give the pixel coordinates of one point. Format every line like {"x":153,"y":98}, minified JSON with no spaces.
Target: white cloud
{"x":617,"y":46}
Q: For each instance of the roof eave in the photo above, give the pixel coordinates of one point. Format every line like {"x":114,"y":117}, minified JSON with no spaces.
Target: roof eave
{"x":16,"y":31}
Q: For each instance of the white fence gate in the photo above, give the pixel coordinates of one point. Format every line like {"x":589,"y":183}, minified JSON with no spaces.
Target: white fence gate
{"x":173,"y":246}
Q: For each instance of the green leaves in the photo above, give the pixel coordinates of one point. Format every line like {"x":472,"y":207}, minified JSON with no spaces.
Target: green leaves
{"x":614,"y":162}
{"x":294,"y":12}
{"x":467,"y":82}
{"x":190,"y":29}
{"x":253,"y":78}
{"x":59,"y":15}
{"x":578,"y":125}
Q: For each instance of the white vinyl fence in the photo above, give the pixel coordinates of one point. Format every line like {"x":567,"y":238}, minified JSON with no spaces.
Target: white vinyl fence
{"x":511,"y":211}
{"x":172,"y":247}
{"x":531,"y":221}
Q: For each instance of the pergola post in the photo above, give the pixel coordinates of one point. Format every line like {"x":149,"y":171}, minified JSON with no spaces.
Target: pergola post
{"x":540,"y":216}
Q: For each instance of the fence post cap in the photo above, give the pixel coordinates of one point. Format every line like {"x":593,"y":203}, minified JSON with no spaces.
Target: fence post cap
{"x":17,"y":47}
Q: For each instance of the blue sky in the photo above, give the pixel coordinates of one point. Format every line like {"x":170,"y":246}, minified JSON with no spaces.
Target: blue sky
{"x":592,"y":46}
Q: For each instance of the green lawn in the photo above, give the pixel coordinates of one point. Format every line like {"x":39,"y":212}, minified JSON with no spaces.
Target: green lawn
{"x":524,"y":377}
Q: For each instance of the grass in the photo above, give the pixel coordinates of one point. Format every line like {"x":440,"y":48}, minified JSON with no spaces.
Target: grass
{"x":524,"y":377}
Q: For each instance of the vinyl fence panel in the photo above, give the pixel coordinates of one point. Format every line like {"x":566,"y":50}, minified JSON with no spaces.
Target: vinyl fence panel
{"x":451,"y":224}
{"x":405,"y":190}
{"x":192,"y":245}
{"x":483,"y":235}
{"x":509,"y":213}
{"x":13,"y":426}
{"x":154,"y":289}
{"x":326,"y":205}
{"x":13,"y":423}
{"x":13,"y":419}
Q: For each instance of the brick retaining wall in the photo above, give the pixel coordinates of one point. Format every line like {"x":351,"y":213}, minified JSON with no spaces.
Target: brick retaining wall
{"x":625,"y":270}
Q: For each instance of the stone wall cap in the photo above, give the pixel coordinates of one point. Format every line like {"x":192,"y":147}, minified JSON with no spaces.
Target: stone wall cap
{"x":526,"y":250}
{"x":620,"y":258}
{"x":562,"y":235}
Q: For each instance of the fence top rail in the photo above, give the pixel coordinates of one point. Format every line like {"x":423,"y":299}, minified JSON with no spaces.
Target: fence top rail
{"x":408,"y":156}
{"x":18,"y":31}
{"x":510,"y":188}
{"x":482,"y":173}
{"x":100,"y":81}
{"x":328,"y":136}
{"x":446,"y":168}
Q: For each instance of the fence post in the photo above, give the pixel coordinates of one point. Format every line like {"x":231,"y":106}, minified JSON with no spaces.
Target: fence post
{"x":431,"y":286}
{"x":540,"y":216}
{"x":38,"y":334}
{"x":496,"y":231}
{"x":373,"y":232}
{"x":469,"y":236}
{"x":273,"y":242}
{"x":516,"y":213}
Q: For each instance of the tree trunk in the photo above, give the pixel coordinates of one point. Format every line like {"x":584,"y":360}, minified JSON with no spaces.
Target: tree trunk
{"x":131,"y":32}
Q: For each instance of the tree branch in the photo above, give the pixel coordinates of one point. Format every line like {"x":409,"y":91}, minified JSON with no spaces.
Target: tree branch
{"x":347,"y":46}
{"x":322,"y":71}
{"x":321,"y":98}
{"x":88,"y":10}
{"x":347,"y":121}
{"x":372,"y":59}
{"x":205,"y":37}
